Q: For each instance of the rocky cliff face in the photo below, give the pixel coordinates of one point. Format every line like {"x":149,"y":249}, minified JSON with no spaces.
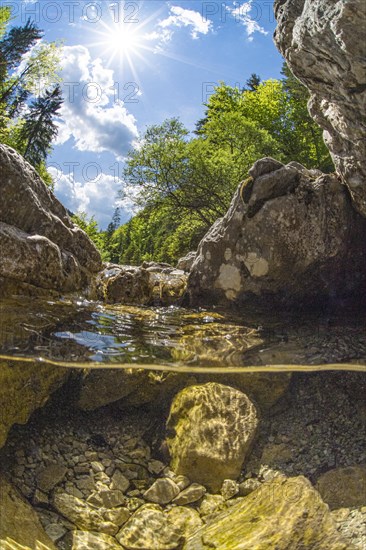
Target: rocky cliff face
{"x":290,"y":235}
{"x":41,"y":249}
{"x":324,"y":43}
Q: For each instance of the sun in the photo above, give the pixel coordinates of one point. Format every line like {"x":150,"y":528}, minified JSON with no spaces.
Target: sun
{"x":122,"y":39}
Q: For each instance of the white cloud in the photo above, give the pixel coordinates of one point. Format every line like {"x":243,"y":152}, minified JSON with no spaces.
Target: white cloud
{"x":243,"y":15}
{"x":97,"y":198}
{"x":179,"y":17}
{"x":92,"y":114}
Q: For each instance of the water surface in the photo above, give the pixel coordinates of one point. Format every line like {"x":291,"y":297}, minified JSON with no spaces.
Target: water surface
{"x":78,"y":333}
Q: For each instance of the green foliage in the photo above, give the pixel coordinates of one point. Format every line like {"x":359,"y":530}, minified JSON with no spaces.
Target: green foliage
{"x":39,"y":129}
{"x":155,"y":234}
{"x":29,"y":92}
{"x":186,"y":183}
{"x":90,"y":226}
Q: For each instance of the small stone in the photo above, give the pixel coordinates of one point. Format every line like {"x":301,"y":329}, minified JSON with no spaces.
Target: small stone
{"x":84,"y":540}
{"x":149,"y":528}
{"x":229,"y":488}
{"x":48,"y":478}
{"x":91,"y":455}
{"x":74,"y":491}
{"x":134,"y":504}
{"x":85,"y":483}
{"x":193,"y":493}
{"x":102,"y":477}
{"x":118,"y":516}
{"x":55,"y":531}
{"x":248,"y":486}
{"x":182,"y":481}
{"x":211,"y":504}
{"x":120,"y":481}
{"x":40,"y":498}
{"x":155,"y":467}
{"x":106,"y":499}
{"x":187,"y":520}
{"x":162,"y":491}
{"x":81,"y":469}
{"x":97,"y":466}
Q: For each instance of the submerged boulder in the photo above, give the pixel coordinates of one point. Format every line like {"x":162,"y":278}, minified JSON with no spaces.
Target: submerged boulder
{"x":343,"y":487}
{"x":210,"y":430}
{"x":284,"y":513}
{"x":24,"y":387}
{"x":324,"y":44}
{"x":41,"y":248}
{"x":20,"y":526}
{"x":290,"y":235}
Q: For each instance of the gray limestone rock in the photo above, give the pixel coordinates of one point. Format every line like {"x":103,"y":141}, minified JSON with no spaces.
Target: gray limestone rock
{"x":42,"y":249}
{"x":289,"y":237}
{"x":324,"y":43}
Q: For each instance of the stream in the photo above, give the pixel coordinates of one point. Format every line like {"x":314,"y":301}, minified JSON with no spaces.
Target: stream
{"x":77,"y":333}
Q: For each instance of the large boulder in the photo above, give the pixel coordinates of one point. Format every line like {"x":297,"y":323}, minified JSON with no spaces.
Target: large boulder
{"x":284,"y":514}
{"x":41,"y":248}
{"x":324,"y":44}
{"x":210,"y":431}
{"x":19,"y":523}
{"x":290,"y":235}
{"x":343,"y":487}
{"x":25,"y":387}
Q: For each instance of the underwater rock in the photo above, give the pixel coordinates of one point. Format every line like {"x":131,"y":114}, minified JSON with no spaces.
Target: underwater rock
{"x":19,"y":522}
{"x":42,"y":249}
{"x":324,"y":45}
{"x":24,"y":387}
{"x":343,"y":487}
{"x":83,"y":515}
{"x":187,"y":520}
{"x":130,"y":387}
{"x":149,"y":528}
{"x":84,"y":540}
{"x":190,"y":494}
{"x":162,"y":491}
{"x":284,"y":513}
{"x":210,"y":430}
{"x":50,"y":476}
{"x":290,"y":237}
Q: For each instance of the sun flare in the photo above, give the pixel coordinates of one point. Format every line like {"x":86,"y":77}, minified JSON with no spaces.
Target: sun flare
{"x":122,"y":40}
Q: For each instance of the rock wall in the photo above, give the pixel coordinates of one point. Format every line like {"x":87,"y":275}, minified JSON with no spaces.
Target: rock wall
{"x":324,"y":43}
{"x":41,"y":249}
{"x":290,"y":236}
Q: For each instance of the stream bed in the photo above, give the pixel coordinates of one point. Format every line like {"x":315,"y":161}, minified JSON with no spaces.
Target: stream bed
{"x":90,"y":439}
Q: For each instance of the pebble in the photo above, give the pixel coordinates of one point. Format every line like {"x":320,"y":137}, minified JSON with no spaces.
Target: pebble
{"x":191,"y":494}
{"x":229,"y":489}
{"x":162,"y":491}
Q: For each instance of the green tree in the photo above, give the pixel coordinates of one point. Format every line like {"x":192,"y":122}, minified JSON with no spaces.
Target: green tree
{"x":91,"y":228}
{"x":39,"y":129}
{"x":29,"y":92}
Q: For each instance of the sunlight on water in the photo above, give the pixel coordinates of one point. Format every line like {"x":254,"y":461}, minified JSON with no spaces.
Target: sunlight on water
{"x":79,"y":334}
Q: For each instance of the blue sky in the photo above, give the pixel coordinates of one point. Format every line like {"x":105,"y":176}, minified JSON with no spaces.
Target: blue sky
{"x":126,"y":65}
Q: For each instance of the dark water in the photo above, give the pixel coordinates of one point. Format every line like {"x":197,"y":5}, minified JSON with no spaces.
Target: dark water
{"x":76,"y":332}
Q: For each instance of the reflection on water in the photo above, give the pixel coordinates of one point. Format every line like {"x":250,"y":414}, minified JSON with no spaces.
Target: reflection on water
{"x":78,"y":331}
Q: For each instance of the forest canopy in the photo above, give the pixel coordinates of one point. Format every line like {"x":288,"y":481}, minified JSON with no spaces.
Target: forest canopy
{"x":185,"y":182}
